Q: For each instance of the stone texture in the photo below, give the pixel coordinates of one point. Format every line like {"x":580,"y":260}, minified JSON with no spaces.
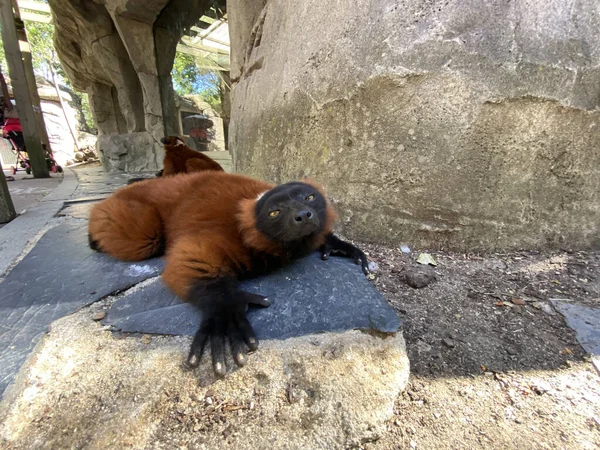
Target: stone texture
{"x":121,"y":53}
{"x":585,"y":320}
{"x":95,"y":183}
{"x":68,"y":275}
{"x":79,"y":208}
{"x":134,"y":152}
{"x":309,"y":297}
{"x":442,"y":124}
{"x":84,"y":388}
{"x":243,"y":22}
{"x":419,"y":277}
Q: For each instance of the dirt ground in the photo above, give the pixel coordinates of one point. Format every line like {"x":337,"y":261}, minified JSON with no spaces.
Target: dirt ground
{"x":493,"y":365}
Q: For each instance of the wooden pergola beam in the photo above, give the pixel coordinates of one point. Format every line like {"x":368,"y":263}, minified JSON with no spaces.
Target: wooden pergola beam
{"x":202,"y":35}
{"x":221,"y":62}
{"x":190,"y":43}
{"x":34,"y":6}
{"x":34,"y":17}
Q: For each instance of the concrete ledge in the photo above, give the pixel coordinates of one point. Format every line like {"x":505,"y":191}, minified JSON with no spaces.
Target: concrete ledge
{"x":15,"y":235}
{"x":327,"y":391}
{"x":223,"y":158}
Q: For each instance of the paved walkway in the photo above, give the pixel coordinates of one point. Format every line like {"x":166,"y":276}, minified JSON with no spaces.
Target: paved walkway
{"x":27,"y":191}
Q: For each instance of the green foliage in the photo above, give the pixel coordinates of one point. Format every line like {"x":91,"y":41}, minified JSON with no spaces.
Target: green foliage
{"x":43,"y":55}
{"x":185,"y":74}
{"x":212,"y":96}
{"x":190,"y":79}
{"x":87,"y":112}
{"x":3,"y":65}
{"x":45,"y":59}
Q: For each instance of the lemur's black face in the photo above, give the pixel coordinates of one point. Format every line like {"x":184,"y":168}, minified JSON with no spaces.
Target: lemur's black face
{"x":290,"y":212}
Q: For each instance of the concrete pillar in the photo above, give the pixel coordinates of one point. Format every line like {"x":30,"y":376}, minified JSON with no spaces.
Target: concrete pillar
{"x":31,"y":82}
{"x":103,"y":108}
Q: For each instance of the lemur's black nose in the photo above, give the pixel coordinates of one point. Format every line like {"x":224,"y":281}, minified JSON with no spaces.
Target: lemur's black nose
{"x":304,"y":216}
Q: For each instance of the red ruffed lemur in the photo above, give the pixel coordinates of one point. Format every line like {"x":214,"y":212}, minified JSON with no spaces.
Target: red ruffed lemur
{"x":217,"y":229}
{"x":179,"y":158}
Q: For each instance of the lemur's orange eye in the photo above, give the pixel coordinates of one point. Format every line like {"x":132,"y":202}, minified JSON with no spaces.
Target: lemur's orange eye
{"x":274,"y":213}
{"x":310,"y":198}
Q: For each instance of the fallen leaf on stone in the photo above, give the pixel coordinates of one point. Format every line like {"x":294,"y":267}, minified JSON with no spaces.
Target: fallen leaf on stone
{"x":426,"y":258}
{"x":566,"y":351}
{"x":499,"y":303}
{"x":518,"y":301}
{"x":555,"y":281}
{"x":146,"y":339}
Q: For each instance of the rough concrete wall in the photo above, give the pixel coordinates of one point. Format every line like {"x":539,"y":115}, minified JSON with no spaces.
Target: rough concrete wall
{"x":133,"y":152}
{"x":469,"y":125}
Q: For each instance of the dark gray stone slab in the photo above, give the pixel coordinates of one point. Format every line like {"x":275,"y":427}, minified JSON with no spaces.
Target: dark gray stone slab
{"x":92,"y":199}
{"x":60,"y":275}
{"x":77,"y":210}
{"x":585,"y":321}
{"x":80,"y":208}
{"x":310,"y":296}
{"x":93,"y":181}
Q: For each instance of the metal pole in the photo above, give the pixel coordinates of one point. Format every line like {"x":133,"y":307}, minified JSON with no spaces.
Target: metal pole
{"x":62,"y":106}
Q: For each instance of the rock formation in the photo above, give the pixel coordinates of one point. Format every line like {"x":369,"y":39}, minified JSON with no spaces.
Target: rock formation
{"x":468,"y":125}
{"x":121,"y":53}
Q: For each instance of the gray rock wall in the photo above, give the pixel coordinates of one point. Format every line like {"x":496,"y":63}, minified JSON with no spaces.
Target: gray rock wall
{"x":132,"y":152}
{"x":121,"y":53}
{"x":467,"y":125}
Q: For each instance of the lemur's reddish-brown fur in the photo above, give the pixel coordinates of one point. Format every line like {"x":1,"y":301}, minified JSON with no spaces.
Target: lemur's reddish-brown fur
{"x":206,"y":220}
{"x":179,"y":158}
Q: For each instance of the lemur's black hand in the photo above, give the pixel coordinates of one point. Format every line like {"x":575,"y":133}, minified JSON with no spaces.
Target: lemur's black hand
{"x":334,"y":245}
{"x":223,"y":310}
